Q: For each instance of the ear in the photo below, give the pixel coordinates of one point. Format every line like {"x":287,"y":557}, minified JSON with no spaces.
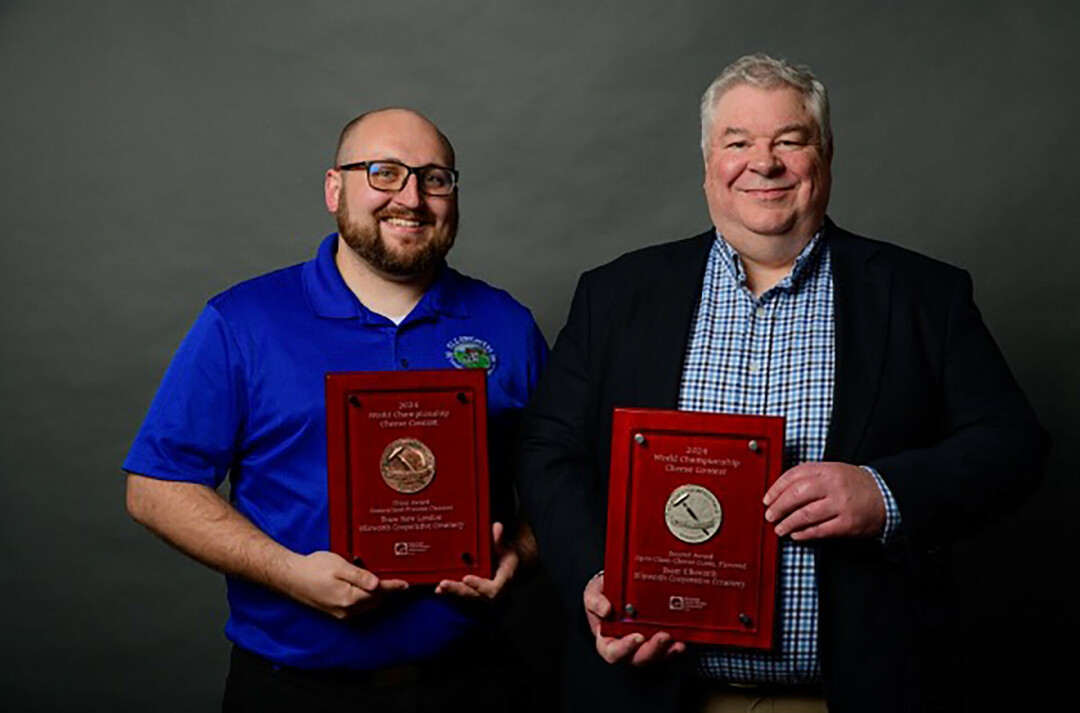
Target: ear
{"x":332,"y":189}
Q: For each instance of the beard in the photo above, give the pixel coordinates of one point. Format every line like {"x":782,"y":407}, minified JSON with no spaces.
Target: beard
{"x":368,"y":243}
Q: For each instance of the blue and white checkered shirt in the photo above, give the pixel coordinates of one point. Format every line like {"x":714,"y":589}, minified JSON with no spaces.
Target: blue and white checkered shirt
{"x":771,"y":355}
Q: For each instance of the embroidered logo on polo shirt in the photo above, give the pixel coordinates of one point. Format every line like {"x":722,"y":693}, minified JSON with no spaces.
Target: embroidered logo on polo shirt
{"x":470,"y":353}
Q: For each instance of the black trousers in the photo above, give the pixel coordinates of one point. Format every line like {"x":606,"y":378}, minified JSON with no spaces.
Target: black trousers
{"x":484,"y":675}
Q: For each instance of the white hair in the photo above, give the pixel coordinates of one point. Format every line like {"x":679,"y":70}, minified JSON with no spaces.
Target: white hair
{"x":765,"y":72}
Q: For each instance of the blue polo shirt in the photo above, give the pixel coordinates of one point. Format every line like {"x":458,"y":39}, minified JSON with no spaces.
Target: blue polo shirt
{"x":245,"y":398}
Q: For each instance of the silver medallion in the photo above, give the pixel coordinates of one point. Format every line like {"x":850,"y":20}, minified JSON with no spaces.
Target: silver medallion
{"x":693,"y":514}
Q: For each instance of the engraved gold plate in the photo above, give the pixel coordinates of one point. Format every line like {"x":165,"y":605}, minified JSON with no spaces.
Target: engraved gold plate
{"x":693,"y":514}
{"x":407,"y":465}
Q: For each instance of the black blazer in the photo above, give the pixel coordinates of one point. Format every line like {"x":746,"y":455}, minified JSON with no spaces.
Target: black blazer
{"x":922,"y":394}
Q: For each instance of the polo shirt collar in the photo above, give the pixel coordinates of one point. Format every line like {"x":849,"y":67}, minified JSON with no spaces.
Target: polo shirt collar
{"x":330,"y":298}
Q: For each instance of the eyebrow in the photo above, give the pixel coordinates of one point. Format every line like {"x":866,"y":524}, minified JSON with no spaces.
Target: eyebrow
{"x":785,"y":129}
{"x":403,"y":163}
{"x":789,"y":128}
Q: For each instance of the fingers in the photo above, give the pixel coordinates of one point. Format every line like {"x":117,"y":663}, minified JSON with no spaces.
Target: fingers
{"x":793,"y":490}
{"x":368,"y":581}
{"x":488,"y":588}
{"x":496,"y":533}
{"x":508,"y":563}
{"x":815,"y":500}
{"x":594,"y":624}
{"x":392,"y":585}
{"x":473,"y":586}
{"x":829,"y":528}
{"x":358,"y":577}
{"x":633,"y":648}
{"x":597,"y":604}
{"x":460,"y":589}
{"x":785,"y":481}
{"x":806,"y":516}
{"x":614,"y":650}
{"x":636,"y":650}
{"x":659,"y":648}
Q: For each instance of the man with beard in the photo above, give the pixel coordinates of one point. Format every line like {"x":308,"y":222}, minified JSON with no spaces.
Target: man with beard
{"x":244,"y":398}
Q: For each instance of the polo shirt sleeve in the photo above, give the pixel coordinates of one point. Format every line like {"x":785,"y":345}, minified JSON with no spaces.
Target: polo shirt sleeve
{"x":193,"y":427}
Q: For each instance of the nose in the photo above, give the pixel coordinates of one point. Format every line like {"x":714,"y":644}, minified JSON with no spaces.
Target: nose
{"x":409,"y":195}
{"x":765,"y":161}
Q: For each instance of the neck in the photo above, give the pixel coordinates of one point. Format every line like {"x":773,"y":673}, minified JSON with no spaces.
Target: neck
{"x":391,"y":296}
{"x":766,"y":259}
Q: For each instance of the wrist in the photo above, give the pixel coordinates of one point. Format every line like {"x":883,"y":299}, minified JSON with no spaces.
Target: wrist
{"x":282,"y":568}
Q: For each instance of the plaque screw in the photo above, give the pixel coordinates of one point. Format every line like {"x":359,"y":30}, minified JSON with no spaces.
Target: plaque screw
{"x":466,"y":558}
{"x":640,"y":440}
{"x":745,"y":620}
{"x":630,"y":611}
{"x":462,"y":397}
{"x":754,"y":446}
{"x":354,"y":400}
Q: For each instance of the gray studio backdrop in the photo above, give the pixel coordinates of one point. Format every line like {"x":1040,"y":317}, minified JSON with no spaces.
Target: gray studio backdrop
{"x":155,"y":153}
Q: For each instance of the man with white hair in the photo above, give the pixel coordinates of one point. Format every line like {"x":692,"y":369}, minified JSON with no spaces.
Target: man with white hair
{"x":904,"y":426}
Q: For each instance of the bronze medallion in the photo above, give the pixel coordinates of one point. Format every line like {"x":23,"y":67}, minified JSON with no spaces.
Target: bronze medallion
{"x":693,"y":514}
{"x":407,"y":465}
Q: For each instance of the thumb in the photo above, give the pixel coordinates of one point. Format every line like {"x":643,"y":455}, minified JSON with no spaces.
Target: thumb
{"x":598,"y":604}
{"x":361,"y":578}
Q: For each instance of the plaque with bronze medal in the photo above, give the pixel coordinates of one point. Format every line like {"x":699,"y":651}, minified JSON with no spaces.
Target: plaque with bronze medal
{"x":688,"y":549}
{"x":408,"y":473}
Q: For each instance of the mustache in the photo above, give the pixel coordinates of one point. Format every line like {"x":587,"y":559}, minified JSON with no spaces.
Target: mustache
{"x":404,"y":214}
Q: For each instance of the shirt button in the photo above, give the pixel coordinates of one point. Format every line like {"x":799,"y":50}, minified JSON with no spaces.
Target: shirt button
{"x":760,"y":312}
{"x":405,"y":363}
{"x":754,"y":367}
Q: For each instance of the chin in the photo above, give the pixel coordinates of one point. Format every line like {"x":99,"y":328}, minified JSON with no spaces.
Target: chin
{"x":771,"y":228}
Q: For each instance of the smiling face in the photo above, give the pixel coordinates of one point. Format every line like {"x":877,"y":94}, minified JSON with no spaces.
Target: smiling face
{"x":401,"y":234}
{"x":767,"y":177}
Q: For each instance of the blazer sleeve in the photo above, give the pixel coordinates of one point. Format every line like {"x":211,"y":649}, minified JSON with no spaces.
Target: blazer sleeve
{"x":993,"y":450}
{"x":561,"y":489}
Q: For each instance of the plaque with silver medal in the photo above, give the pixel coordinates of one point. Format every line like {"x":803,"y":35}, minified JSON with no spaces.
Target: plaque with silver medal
{"x":688,"y":549}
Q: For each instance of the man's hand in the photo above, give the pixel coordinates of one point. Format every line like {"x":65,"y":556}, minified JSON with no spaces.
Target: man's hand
{"x":815,"y":500}
{"x":632,"y":648}
{"x":196,"y":519}
{"x":327,"y":582}
{"x":475,"y":587}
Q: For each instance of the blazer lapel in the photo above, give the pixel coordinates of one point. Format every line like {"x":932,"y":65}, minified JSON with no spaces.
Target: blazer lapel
{"x":862,"y":295}
{"x":669,"y":315}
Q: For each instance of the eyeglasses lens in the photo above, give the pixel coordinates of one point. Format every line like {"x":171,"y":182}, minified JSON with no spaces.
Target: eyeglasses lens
{"x":432,"y":180}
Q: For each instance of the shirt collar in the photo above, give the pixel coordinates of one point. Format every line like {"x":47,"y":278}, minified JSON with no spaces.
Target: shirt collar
{"x":732,"y":264}
{"x":331,"y":298}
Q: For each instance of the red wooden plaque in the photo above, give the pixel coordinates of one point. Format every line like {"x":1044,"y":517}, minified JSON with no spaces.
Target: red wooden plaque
{"x":688,"y":549}
{"x":408,"y":475}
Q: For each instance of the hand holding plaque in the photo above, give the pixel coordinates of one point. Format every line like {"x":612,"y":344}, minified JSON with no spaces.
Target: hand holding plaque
{"x":325,"y":581}
{"x":408,"y":478}
{"x":631,"y":648}
{"x":689,"y":552}
{"x":474,"y":586}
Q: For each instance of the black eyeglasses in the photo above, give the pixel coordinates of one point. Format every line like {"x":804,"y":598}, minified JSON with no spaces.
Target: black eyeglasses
{"x":393,"y":175}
